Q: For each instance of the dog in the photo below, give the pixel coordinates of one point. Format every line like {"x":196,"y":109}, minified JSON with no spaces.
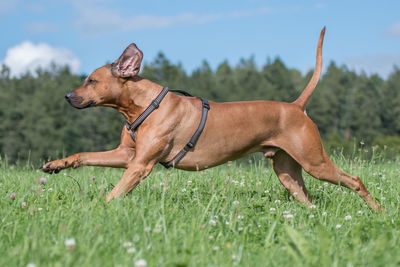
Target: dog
{"x":281,"y":131}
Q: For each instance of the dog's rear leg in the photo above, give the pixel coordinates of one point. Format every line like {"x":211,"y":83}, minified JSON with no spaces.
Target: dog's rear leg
{"x":331,"y":173}
{"x":289,"y":174}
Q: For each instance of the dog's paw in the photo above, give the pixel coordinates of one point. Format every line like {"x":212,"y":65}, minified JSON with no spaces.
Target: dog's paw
{"x":54,"y":166}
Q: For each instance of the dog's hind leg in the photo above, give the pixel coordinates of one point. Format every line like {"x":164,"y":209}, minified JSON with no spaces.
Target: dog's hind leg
{"x":306,"y":148}
{"x":289,"y":174}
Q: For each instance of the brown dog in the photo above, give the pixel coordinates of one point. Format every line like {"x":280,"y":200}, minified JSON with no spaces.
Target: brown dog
{"x":281,"y":131}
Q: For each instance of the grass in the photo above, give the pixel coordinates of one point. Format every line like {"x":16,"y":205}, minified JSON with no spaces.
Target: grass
{"x":219,"y":217}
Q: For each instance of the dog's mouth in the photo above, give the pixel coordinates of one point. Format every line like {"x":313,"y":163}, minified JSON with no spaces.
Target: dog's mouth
{"x":76,"y":102}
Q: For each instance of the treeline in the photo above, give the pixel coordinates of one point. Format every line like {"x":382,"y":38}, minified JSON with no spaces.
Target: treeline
{"x":36,"y":123}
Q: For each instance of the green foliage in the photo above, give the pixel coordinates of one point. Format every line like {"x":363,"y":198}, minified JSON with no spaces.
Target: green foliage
{"x":232,"y":215}
{"x":38,"y":124}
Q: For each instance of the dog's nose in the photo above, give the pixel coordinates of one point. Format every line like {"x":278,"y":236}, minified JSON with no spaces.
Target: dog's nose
{"x":69,"y":95}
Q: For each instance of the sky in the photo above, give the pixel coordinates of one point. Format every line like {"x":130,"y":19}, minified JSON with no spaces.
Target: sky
{"x":86,"y":34}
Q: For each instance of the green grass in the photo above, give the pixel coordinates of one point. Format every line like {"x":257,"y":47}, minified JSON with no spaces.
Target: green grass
{"x":221,"y":218}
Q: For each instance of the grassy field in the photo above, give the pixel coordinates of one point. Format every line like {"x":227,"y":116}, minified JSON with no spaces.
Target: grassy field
{"x":236,"y":214}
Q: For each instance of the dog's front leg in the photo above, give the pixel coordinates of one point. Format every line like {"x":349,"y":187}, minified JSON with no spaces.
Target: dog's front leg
{"x":118,"y":158}
{"x":135,"y":173}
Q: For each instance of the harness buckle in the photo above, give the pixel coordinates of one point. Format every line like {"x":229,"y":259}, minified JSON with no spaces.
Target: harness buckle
{"x":206,"y":104}
{"x":190,"y":145}
{"x":155,"y":104}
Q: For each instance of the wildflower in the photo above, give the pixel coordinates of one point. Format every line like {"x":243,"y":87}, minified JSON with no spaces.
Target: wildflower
{"x":236,"y":202}
{"x":42,"y":180}
{"x":23,"y":205}
{"x":93,"y":178}
{"x":131,"y":250}
{"x":215,"y":248}
{"x":272,"y":210}
{"x":50,"y":189}
{"x":240,"y":217}
{"x":383,"y":198}
{"x":70,"y":244}
{"x":258,"y":184}
{"x":313,"y":206}
{"x":212,"y":222}
{"x":288,"y":216}
{"x":241,"y":184}
{"x":211,"y":237}
{"x":338,"y":226}
{"x":31,"y":265}
{"x":39,"y":209}
{"x":347,"y":218}
{"x":189,"y":183}
{"x":359,"y":212}
{"x":311,"y":216}
{"x":127,"y":244}
{"x":234,"y":257}
{"x":184,"y":190}
{"x":12,"y":196}
{"x":266,"y":191}
{"x":324,"y":213}
{"x":141,"y":263}
{"x":295,"y":194}
{"x":277,"y":201}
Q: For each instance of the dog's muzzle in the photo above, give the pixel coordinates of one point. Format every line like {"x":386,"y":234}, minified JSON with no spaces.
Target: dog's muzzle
{"x":77,"y":101}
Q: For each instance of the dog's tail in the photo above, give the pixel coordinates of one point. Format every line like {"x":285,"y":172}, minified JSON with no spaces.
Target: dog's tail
{"x":305,"y":95}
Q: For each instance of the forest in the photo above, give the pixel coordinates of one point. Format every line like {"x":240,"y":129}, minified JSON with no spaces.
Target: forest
{"x":351,"y":110}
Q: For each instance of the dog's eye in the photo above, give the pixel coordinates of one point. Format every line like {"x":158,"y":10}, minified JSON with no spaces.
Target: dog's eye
{"x":91,"y":81}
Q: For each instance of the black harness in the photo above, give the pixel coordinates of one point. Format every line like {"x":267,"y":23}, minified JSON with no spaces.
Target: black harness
{"x":153,"y":106}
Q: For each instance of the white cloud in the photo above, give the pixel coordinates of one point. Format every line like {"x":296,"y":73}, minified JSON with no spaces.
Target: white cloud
{"x":91,"y":22}
{"x":393,"y":31}
{"x":27,"y":56}
{"x":381,"y":64}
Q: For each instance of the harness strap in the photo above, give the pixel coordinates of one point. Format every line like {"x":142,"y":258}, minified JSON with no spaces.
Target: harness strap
{"x":193,"y":140}
{"x":153,"y":106}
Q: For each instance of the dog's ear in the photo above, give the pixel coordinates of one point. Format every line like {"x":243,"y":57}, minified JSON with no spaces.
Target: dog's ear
{"x":128,"y":64}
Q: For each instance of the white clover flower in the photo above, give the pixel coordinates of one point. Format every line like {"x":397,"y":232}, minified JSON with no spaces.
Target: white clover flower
{"x":39,"y":209}
{"x":50,"y":189}
{"x":359,"y":212}
{"x":240,"y":229}
{"x":70,"y":243}
{"x":241,"y":184}
{"x":313,"y":206}
{"x":189,"y":183}
{"x":131,"y":250}
{"x":277,"y":201}
{"x":236,"y":202}
{"x":272,"y":210}
{"x":212,"y":223}
{"x":383,"y":198}
{"x":347,"y":218}
{"x":338,"y":226}
{"x":227,"y":223}
{"x":184,"y":190}
{"x":215,"y":248}
{"x":258,"y":184}
{"x":266,"y":191}
{"x":127,"y":244}
{"x":211,"y":237}
{"x":234,"y":257}
{"x":240,"y":217}
{"x":288,"y":216}
{"x":31,"y":265}
{"x":141,"y":263}
{"x":324,"y":213}
{"x":295,"y":194}
{"x":311,"y":216}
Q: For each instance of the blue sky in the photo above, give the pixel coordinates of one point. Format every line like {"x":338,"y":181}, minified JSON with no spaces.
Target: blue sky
{"x":86,"y":34}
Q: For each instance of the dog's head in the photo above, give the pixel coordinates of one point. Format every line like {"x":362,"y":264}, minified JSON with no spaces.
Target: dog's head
{"x":104,"y":86}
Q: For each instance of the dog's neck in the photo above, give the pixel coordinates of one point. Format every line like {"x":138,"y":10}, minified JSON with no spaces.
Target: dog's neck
{"x":136,"y":97}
